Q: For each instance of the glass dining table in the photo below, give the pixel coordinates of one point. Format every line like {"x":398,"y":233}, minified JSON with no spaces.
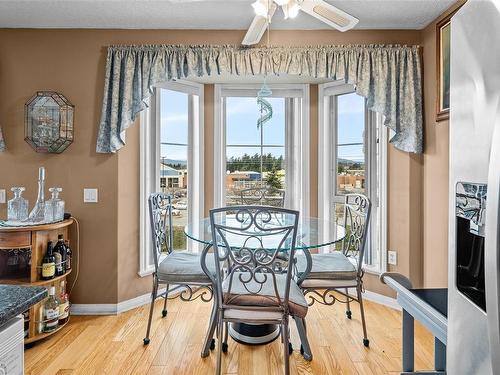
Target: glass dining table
{"x":312,"y":234}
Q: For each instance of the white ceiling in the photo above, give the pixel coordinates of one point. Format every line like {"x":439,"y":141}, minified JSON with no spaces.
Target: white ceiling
{"x":204,"y":14}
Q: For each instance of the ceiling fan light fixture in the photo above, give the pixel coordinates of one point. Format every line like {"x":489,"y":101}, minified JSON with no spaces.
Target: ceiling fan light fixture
{"x":332,"y":16}
{"x":260,"y":8}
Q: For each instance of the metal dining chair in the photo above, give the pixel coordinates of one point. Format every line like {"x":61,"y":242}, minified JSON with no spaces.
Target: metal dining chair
{"x":263,"y":196}
{"x":180,"y":269}
{"x":339,"y":270}
{"x":254,"y":265}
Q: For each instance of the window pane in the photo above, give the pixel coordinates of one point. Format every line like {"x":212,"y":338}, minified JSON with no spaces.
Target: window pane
{"x":174,"y":116}
{"x":241,"y":121}
{"x":350,"y":169}
{"x":255,"y":164}
{"x":274,"y":129}
{"x":174,"y":159}
{"x":350,"y":144}
{"x":351,"y":118}
{"x":242,"y":115}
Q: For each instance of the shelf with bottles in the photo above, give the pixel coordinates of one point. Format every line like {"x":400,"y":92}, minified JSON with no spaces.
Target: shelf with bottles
{"x":49,"y":315}
{"x":22,"y":253}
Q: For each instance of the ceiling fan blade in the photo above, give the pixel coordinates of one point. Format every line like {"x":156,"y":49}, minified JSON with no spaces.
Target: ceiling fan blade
{"x":329,"y":14}
{"x":257,"y":28}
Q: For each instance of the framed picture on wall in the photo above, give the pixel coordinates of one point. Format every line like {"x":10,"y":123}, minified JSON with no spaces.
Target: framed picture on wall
{"x":443,"y":69}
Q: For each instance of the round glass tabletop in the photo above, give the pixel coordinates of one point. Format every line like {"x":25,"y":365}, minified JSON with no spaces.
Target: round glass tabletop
{"x":311,"y":232}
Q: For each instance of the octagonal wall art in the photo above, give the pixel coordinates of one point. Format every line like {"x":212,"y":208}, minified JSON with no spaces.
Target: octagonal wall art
{"x":49,"y":122}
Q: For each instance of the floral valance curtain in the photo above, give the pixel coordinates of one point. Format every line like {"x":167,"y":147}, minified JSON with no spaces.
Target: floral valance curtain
{"x":389,"y":77}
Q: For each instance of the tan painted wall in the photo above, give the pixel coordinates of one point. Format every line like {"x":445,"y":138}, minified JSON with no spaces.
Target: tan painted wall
{"x":435,"y":171}
{"x":72,"y":62}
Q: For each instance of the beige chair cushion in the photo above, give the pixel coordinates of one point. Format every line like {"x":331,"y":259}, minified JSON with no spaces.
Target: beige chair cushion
{"x":332,"y":266}
{"x":266,"y":297}
{"x":185,"y":267}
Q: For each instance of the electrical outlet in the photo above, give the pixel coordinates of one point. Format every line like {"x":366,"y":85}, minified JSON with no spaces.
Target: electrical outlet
{"x":90,"y":195}
{"x":392,"y":257}
{"x":2,"y":196}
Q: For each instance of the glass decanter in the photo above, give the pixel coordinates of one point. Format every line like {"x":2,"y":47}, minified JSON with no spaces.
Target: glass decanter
{"x":37,"y":214}
{"x":54,"y":207}
{"x":17,"y":207}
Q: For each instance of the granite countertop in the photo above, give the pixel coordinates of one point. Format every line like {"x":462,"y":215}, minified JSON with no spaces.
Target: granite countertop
{"x":16,"y":299}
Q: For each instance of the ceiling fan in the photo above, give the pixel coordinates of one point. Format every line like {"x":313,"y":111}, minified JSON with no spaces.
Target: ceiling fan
{"x":320,"y":9}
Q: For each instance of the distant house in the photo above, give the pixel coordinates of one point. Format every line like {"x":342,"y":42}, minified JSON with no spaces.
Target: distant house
{"x":172,"y":178}
{"x":241,"y":180}
{"x":351,"y":182}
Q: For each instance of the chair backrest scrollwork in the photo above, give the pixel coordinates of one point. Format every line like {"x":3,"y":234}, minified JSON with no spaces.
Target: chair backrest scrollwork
{"x":254,"y":250}
{"x":357,"y":209}
{"x":160,"y":214}
{"x":263,"y":196}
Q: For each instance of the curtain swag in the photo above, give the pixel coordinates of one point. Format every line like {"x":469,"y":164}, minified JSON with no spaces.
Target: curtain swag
{"x":389,"y":77}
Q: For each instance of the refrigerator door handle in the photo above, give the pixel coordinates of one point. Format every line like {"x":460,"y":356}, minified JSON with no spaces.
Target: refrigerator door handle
{"x":492,"y":251}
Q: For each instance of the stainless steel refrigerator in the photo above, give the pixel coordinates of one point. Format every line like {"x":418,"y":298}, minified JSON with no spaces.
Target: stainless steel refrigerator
{"x":473,"y":344}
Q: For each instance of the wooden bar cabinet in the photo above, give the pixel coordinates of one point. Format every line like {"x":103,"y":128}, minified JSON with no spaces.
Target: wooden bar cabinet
{"x":27,"y":245}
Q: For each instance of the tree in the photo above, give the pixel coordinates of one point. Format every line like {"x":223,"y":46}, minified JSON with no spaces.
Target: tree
{"x":273,"y":179}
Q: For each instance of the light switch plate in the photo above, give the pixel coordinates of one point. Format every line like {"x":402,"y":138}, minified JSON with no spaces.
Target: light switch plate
{"x":90,"y":195}
{"x":2,"y":196}
{"x":392,"y":257}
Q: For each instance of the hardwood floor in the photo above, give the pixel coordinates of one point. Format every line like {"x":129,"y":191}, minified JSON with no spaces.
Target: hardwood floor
{"x":113,"y":345}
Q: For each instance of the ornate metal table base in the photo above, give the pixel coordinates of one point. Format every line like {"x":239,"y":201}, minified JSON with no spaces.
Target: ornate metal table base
{"x":254,"y":334}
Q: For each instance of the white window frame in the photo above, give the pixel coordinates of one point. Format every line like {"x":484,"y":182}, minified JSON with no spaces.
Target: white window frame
{"x":296,"y":145}
{"x":327,"y":170}
{"x":150,"y":164}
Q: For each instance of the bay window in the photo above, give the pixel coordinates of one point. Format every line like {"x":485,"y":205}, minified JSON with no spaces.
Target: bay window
{"x":273,"y":155}
{"x":171,"y":161}
{"x":352,"y":159}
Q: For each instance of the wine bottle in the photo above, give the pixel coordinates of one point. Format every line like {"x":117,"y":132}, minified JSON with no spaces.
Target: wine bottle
{"x":69,"y":255}
{"x":51,"y":312}
{"x":63,"y":304}
{"x":60,"y":255}
{"x":49,"y":263}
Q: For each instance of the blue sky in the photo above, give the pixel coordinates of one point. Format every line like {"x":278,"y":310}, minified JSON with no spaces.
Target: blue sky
{"x":242,"y":115}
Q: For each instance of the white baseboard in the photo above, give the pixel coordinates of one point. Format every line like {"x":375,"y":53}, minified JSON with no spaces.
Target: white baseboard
{"x":377,"y":298}
{"x":117,"y":308}
{"x":112,"y":308}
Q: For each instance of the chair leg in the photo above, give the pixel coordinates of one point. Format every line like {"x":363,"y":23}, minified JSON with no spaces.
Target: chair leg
{"x":212,"y":325}
{"x":366,"y":342}
{"x":286,"y":347}
{"x":348,"y":312}
{"x":220,"y":329}
{"x":164,"y":311}
{"x":305,"y":348}
{"x":154,"y":294}
{"x":226,"y":333}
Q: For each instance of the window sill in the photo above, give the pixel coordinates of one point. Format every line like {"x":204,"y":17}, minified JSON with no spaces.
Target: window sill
{"x":373,"y":270}
{"x":146,"y":272}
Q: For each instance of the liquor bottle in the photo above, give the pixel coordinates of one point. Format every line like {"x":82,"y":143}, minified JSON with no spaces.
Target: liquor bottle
{"x":69,"y":256}
{"x":51,"y":312}
{"x":60,"y":254}
{"x":63,"y":304}
{"x":49,"y":263}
